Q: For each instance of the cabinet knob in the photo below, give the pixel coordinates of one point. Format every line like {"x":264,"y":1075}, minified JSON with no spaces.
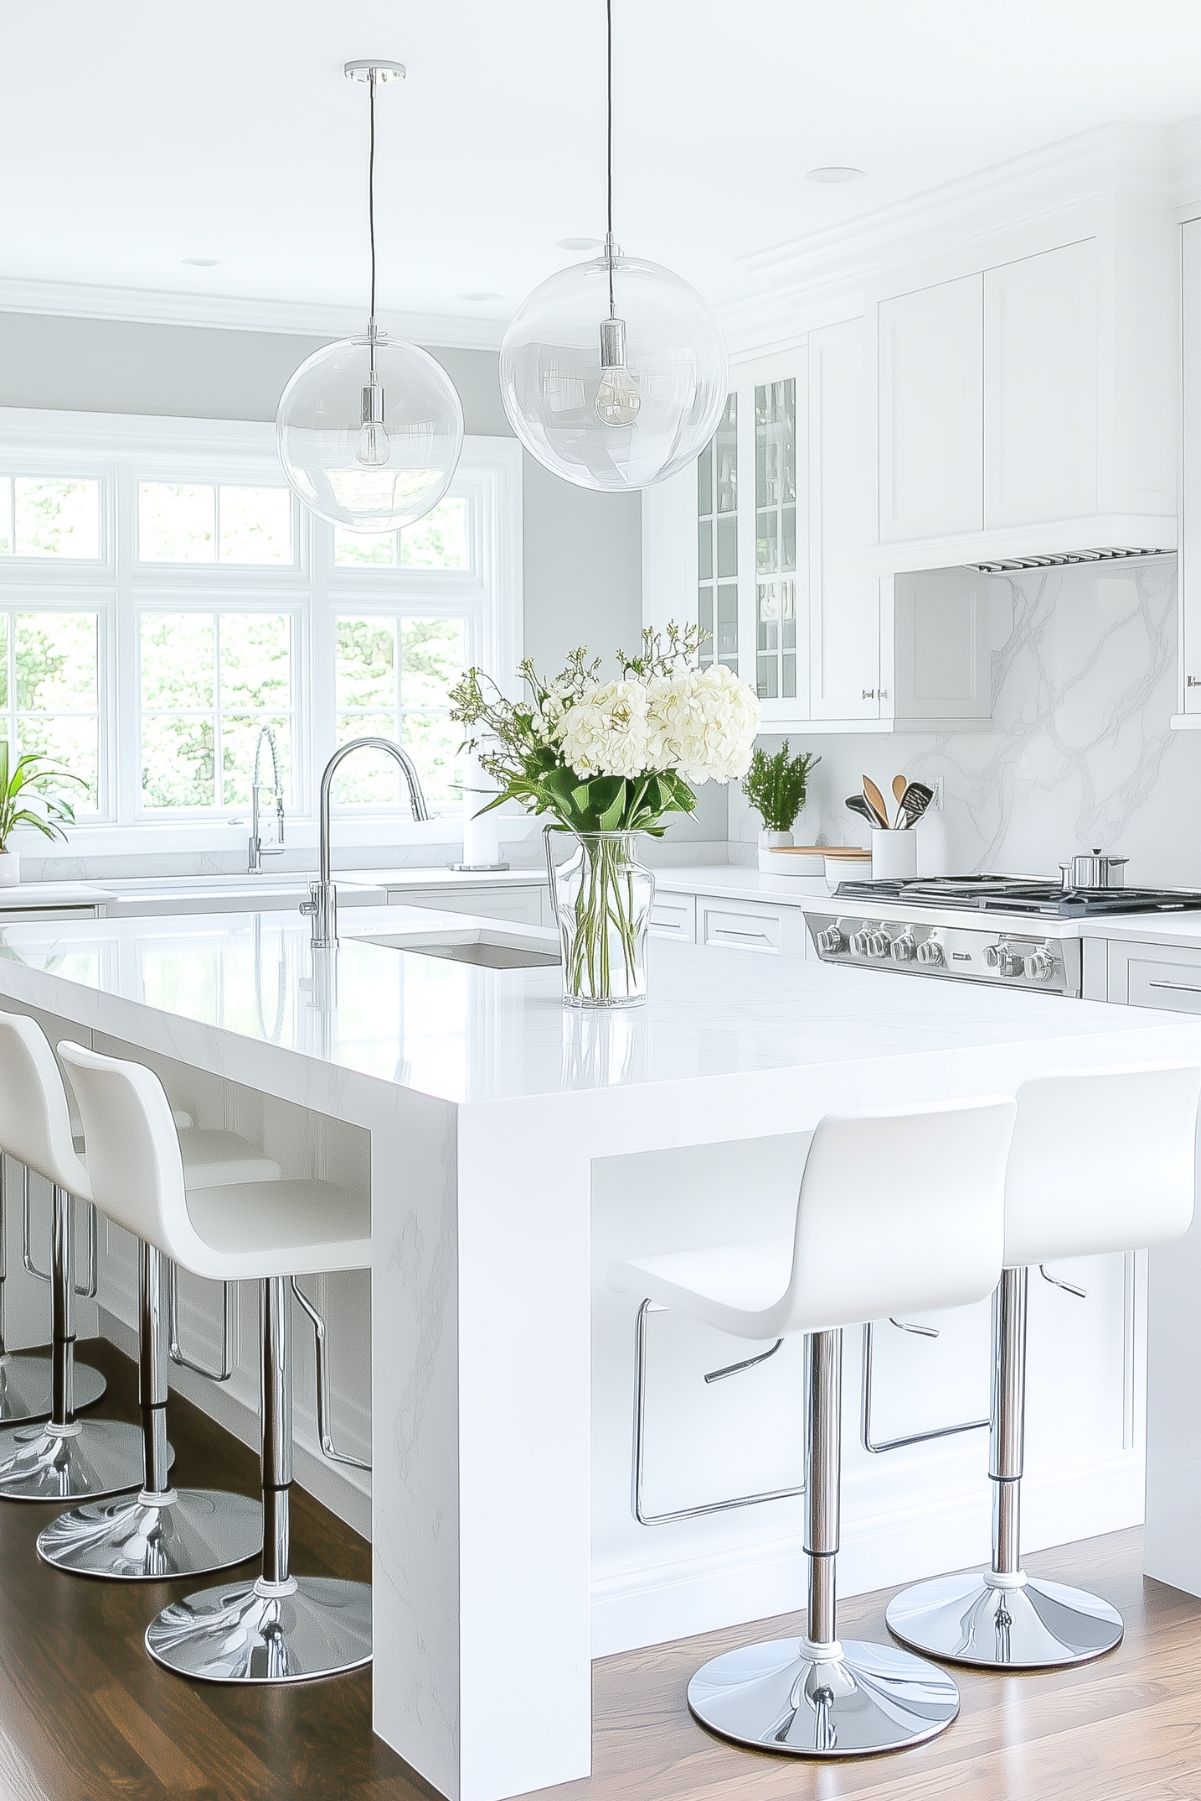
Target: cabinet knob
{"x":869,"y":694}
{"x":1190,"y":681}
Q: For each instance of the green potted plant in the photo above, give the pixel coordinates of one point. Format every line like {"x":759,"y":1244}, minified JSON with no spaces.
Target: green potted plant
{"x":30,"y":795}
{"x":777,"y":787}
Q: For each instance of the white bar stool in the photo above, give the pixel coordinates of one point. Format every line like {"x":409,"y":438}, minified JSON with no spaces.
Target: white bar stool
{"x":281,"y":1627}
{"x":67,"y":1458}
{"x":26,"y":1377}
{"x":900,"y":1211}
{"x":1082,"y":1181}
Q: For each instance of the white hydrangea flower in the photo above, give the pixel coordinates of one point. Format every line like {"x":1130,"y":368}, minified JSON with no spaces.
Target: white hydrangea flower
{"x":608,"y":732}
{"x":707,"y":720}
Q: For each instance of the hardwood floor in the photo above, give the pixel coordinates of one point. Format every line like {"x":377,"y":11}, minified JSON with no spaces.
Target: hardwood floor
{"x":85,"y":1715}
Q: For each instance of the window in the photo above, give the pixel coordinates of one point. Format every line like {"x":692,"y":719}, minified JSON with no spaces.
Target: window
{"x":50,"y":691}
{"x":164,"y":602}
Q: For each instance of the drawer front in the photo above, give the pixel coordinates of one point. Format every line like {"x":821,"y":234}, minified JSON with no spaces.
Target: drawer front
{"x":521,"y":905}
{"x":1155,"y":976}
{"x":741,"y":926}
{"x":674,"y":916}
{"x":35,"y":915}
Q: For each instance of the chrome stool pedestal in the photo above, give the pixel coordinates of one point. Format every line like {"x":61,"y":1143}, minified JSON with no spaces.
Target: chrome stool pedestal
{"x":819,"y":1696}
{"x":279,"y":1628}
{"x":66,"y":1458}
{"x":27,"y":1377}
{"x":1001,"y":1618}
{"x":161,"y":1532}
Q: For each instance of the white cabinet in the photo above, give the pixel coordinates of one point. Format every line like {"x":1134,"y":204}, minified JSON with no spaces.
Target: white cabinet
{"x":1166,"y":976}
{"x":1190,"y":476}
{"x":1019,"y":394}
{"x":674,"y":916}
{"x":845,"y":602}
{"x":763,"y":544}
{"x":1041,"y":387}
{"x":931,"y":411}
{"x":751,"y":926}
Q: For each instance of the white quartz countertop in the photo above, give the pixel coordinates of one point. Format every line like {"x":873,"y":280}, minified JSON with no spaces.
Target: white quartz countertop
{"x":470,"y":1035}
{"x":51,"y":894}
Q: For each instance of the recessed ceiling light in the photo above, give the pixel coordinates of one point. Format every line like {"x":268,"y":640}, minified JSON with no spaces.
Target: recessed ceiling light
{"x":835,"y":172}
{"x":480,"y":294}
{"x":580,"y":243}
{"x":199,"y":262}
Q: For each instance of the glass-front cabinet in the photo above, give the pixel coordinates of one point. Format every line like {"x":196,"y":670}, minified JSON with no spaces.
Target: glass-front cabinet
{"x":761,"y":542}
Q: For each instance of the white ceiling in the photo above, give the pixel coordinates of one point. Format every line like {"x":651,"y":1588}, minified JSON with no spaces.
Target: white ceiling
{"x":134,"y":133}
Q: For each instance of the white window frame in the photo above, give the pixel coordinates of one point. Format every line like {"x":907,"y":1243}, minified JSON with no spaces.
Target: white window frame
{"x":120,"y":450}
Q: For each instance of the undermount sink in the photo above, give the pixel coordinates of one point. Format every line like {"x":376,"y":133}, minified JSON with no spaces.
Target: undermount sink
{"x":484,"y":949}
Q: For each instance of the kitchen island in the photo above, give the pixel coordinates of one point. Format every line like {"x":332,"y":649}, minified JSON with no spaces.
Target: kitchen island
{"x":512,"y":1147}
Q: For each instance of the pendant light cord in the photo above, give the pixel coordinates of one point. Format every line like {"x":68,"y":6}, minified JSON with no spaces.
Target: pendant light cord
{"x":609,"y":146}
{"x":371,"y":210}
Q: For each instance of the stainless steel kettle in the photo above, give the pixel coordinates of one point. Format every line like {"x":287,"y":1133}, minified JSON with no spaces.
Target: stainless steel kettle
{"x":1093,"y":869}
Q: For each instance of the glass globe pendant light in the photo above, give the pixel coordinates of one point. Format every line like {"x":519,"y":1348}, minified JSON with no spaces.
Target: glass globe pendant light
{"x":370,"y":430}
{"x":614,"y":371}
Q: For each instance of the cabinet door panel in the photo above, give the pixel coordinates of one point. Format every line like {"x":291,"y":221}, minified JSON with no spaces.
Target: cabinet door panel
{"x":1041,"y":387}
{"x":931,"y":411}
{"x":1190,"y":472}
{"x":844,"y":604}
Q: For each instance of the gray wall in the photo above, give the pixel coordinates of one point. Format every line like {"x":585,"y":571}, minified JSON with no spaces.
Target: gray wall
{"x":583,"y":568}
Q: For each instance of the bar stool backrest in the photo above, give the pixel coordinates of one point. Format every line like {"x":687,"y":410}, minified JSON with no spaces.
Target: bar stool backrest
{"x":35,"y":1120}
{"x":134,"y":1161}
{"x":899,"y":1212}
{"x":1104,"y":1160}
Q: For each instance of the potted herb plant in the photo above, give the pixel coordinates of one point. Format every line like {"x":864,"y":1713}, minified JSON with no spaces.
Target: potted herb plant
{"x":30,"y":795}
{"x":777,"y":787}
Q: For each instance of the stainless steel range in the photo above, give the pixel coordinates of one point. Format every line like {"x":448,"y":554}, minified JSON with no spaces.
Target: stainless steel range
{"x":1011,"y":929}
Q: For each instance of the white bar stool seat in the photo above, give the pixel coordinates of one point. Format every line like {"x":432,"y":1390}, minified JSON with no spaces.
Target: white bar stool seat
{"x":280,"y":1627}
{"x":897,"y":1212}
{"x":1101,"y":1162}
{"x":67,"y":1458}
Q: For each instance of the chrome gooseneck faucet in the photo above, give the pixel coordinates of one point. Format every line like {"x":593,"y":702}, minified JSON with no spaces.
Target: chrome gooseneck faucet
{"x":256,"y":848}
{"x":322,"y":906}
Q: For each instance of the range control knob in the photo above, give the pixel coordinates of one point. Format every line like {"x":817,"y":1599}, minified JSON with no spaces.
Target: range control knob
{"x":1004,"y":959}
{"x":830,"y":941}
{"x":1040,"y":964}
{"x":878,"y":942}
{"x":929,"y":951}
{"x":902,"y":949}
{"x":859,"y":941}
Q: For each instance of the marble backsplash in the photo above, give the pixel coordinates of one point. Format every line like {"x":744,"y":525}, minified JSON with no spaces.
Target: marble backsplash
{"x":1079,"y":753}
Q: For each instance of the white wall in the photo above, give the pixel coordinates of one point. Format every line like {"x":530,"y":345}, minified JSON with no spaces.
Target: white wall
{"x":1080,"y":752}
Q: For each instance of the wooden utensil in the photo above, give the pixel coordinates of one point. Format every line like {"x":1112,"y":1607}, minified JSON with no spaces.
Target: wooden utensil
{"x":899,"y":785}
{"x":875,"y":800}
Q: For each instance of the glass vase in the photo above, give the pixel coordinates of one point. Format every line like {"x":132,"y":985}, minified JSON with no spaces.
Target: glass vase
{"x":602,"y":896}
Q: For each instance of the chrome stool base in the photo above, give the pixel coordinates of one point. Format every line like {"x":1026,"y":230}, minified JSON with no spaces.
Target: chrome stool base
{"x":1028,"y":1626}
{"x":307,"y":1627}
{"x":90,"y":1459}
{"x":864,"y":1699}
{"x":26,"y":1384}
{"x":145,"y":1538}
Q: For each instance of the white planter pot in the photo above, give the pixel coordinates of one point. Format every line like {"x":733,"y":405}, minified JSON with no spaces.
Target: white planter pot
{"x":769,"y":841}
{"x":894,"y":853}
{"x":10,"y":868}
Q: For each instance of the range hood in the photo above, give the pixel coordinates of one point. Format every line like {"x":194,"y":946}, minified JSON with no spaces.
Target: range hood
{"x":1102,"y":541}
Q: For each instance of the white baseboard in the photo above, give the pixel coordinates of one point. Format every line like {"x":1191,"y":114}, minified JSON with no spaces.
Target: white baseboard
{"x":647,"y":1606}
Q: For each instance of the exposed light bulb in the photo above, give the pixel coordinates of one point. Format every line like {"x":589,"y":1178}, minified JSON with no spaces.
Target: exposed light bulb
{"x":374,"y":446}
{"x":618,"y":399}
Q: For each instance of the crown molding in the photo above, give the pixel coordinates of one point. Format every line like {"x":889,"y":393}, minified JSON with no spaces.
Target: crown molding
{"x":806,"y":281}
{"x":147,"y":306}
